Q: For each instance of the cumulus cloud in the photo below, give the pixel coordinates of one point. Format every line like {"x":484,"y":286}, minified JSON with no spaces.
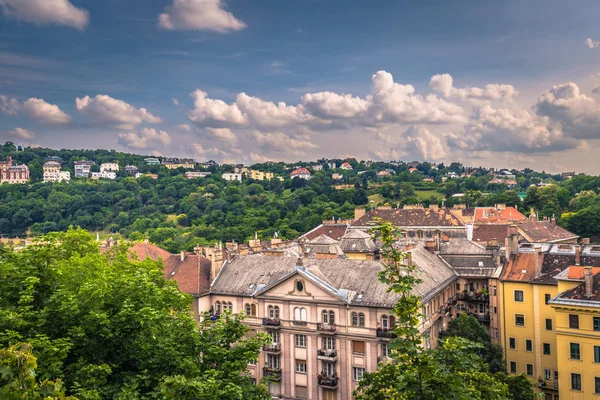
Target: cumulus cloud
{"x":268,"y":114}
{"x":208,"y":15}
{"x":103,"y":110}
{"x":592,"y":43}
{"x":281,"y":143}
{"x":422,"y":144}
{"x":333,"y":105}
{"x":175,"y":101}
{"x":577,"y":114}
{"x":46,"y":12}
{"x":146,"y":138}
{"x":443,"y":83}
{"x":21,"y":133}
{"x":184,"y":127}
{"x":36,"y":109}
{"x":215,"y":113}
{"x":221,"y":134}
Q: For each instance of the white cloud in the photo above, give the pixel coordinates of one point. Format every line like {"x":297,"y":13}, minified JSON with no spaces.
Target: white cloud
{"x":21,"y":133}
{"x":592,"y":43}
{"x":175,"y":101}
{"x":333,"y":105}
{"x":146,"y":138}
{"x":577,"y":114}
{"x":281,"y":143}
{"x":103,"y":110}
{"x":46,"y":12}
{"x":36,"y":109}
{"x":493,"y":91}
{"x":199,"y":15}
{"x":184,"y":127}
{"x":221,"y":134}
{"x":215,"y":113}
{"x":268,"y":114}
{"x":422,"y":144}
{"x":259,"y":158}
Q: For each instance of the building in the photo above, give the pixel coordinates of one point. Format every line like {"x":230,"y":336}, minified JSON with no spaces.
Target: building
{"x":333,"y":229}
{"x":503,"y":181}
{"x":301,"y":173}
{"x":412,"y":169}
{"x":316,"y":167}
{"x":104,"y":175}
{"x":383,"y":174}
{"x":108,"y":167}
{"x":232,"y":176}
{"x":55,"y":159}
{"x":174,"y":163}
{"x":327,"y":326}
{"x":64,"y":176}
{"x":346,"y":166}
{"x":11,"y":174}
{"x":577,"y":316}
{"x":505,"y":174}
{"x":336,"y":177}
{"x":51,"y":171}
{"x":152,"y":161}
{"x":131,"y":170}
{"x":359,"y":245}
{"x":83,"y":168}
{"x":259,"y":175}
{"x":196,"y":174}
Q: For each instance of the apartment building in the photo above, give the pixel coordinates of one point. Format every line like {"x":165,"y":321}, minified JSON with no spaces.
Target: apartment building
{"x":196,"y":174}
{"x":259,"y":175}
{"x":83,"y":168}
{"x":51,"y":171}
{"x":232,"y":176}
{"x":109,"y":167}
{"x":11,"y":174}
{"x":174,"y":163}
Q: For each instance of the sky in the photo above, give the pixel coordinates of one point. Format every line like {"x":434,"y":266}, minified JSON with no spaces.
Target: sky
{"x":498,"y":84}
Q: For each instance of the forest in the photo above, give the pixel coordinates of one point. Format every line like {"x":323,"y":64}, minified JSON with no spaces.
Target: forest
{"x":178,"y":213}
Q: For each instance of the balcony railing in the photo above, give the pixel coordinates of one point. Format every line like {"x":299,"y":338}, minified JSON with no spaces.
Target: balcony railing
{"x":271,"y":322}
{"x":272,"y":348}
{"x":483,"y":317}
{"x":273,"y":374}
{"x":327,"y":355}
{"x":326,"y":329}
{"x":472,"y":296}
{"x":385,"y":333}
{"x":328,"y":381}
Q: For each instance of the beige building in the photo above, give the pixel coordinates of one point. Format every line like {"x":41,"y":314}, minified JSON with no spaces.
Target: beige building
{"x":10,"y":173}
{"x":259,"y":175}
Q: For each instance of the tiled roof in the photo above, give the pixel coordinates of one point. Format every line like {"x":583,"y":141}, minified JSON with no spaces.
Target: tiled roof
{"x":544,"y":231}
{"x":578,"y":293}
{"x":577,"y":271}
{"x":300,"y":171}
{"x":457,"y":245}
{"x":357,"y":241}
{"x":490,"y":233}
{"x":334,"y":231}
{"x":493,"y":215}
{"x":520,"y":268}
{"x":411,"y":217}
{"x":144,"y":250}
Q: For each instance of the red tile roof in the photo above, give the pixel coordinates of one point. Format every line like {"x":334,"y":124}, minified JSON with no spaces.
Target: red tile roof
{"x":577,"y":271}
{"x":578,"y":293}
{"x":520,"y":268}
{"x":544,"y":231}
{"x":490,"y":233}
{"x":492,"y":215}
{"x":300,"y":171}
{"x":334,"y":231}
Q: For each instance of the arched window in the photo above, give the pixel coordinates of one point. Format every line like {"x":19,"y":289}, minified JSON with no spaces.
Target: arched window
{"x":297,"y":314}
{"x":248,"y":309}
{"x":385,"y":322}
{"x":271,"y":312}
{"x":303,"y":314}
{"x":331,"y":318}
{"x":230,"y":305}
{"x":361,"y":319}
{"x":277,"y":312}
{"x":300,"y":314}
{"x":392,"y":322}
{"x":218,"y":307}
{"x":325,"y":317}
{"x":253,"y":310}
{"x":354,"y":319}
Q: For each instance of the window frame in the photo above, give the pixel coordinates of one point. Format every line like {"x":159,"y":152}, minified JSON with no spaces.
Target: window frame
{"x":549,"y":322}
{"x":516,"y":291}
{"x":596,"y":324}
{"x":574,"y":351}
{"x":573,"y":321}
{"x":357,"y":373}
{"x":301,"y":370}
{"x":547,"y":298}
{"x":597,"y":354}
{"x":575,"y":378}
{"x":513,"y":367}
{"x":528,"y":345}
{"x":522,"y":316}
{"x":300,"y":340}
{"x":361,"y":320}
{"x":548,"y":347}
{"x":528,"y":369}
{"x":512,"y":343}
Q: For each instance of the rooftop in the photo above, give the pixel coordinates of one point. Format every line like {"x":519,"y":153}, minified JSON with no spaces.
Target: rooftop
{"x":430,"y":217}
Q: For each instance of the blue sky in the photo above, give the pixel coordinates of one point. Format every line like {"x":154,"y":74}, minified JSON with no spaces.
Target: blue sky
{"x":281,"y":51}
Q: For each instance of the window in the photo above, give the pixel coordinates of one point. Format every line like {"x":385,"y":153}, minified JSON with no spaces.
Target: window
{"x":230,"y":306}
{"x":218,"y":307}
{"x":548,"y":324}
{"x":457,"y":286}
{"x":597,"y":354}
{"x":273,"y":362}
{"x":357,"y":373}
{"x":300,"y":340}
{"x":547,"y":373}
{"x":573,"y":321}
{"x":385,"y":350}
{"x":331,"y":318}
{"x":354,"y":319}
{"x":358,"y":347}
{"x":597,"y":323}
{"x":325,"y":317}
{"x":248,"y":309}
{"x":274,"y":336}
{"x":528,"y":345}
{"x":547,"y":298}
{"x":385,"y":322}
{"x":361,"y":319}
{"x":575,"y":351}
{"x":530,"y":369}
{"x":513,"y":367}
{"x":495,"y":291}
{"x":512,"y":343}
{"x":328,"y":343}
{"x":519,"y":320}
{"x":596,"y":385}
{"x":547,"y":348}
{"x":328,"y":369}
{"x":274,"y":312}
{"x":519,"y":296}
{"x":301,"y":367}
{"x":299,"y":286}
{"x":575,"y":382}
{"x":300,"y":314}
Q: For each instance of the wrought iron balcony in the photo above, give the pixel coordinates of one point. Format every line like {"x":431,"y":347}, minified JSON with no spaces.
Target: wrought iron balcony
{"x":327,"y":381}
{"x":326,"y":329}
{"x":272,"y":323}
{"x":327,"y":355}
{"x":472,"y":296}
{"x":385,"y":333}
{"x":272,"y":348}
{"x":273,"y":374}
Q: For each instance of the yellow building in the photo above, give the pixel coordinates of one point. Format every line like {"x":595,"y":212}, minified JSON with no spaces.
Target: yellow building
{"x":259,"y":175}
{"x":578,"y":332}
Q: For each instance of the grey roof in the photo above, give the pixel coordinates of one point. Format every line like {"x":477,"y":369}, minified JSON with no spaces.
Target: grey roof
{"x":323,"y":244}
{"x":357,"y":241}
{"x":456,"y":245}
{"x":473,"y":266}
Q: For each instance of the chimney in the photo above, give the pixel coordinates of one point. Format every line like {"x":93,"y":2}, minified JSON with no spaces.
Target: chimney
{"x":539,"y":258}
{"x":216,"y":262}
{"x":408,"y":258}
{"x":511,"y":244}
{"x":532,"y":214}
{"x":182,"y":255}
{"x":553,"y":220}
{"x":589,"y":281}
{"x":577,"y":255}
{"x":359,"y":212}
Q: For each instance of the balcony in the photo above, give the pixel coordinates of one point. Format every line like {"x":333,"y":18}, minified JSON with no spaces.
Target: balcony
{"x":328,"y":381}
{"x":327,"y":355}
{"x":472,"y":296}
{"x":271,"y":323}
{"x":385,"y":333}
{"x":272,"y":348}
{"x":273,"y":374}
{"x":326,"y":329}
{"x":485,"y":318}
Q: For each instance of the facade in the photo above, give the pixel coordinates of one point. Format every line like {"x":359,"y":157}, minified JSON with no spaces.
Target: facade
{"x":336,"y":177}
{"x":232,"y":176}
{"x":301,"y":173}
{"x":131,"y":170}
{"x":104,"y":175}
{"x":196,"y":174}
{"x":346,"y":166}
{"x":51,"y":171}
{"x":82,"y":168}
{"x":64,"y":176}
{"x":174,"y":163}
{"x":107,"y":167}
{"x":12,"y":174}
{"x":259,"y":175}
{"x":152,"y":161}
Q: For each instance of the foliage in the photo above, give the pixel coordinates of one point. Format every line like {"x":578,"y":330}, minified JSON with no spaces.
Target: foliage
{"x":111,"y":327}
{"x":454,"y":370}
